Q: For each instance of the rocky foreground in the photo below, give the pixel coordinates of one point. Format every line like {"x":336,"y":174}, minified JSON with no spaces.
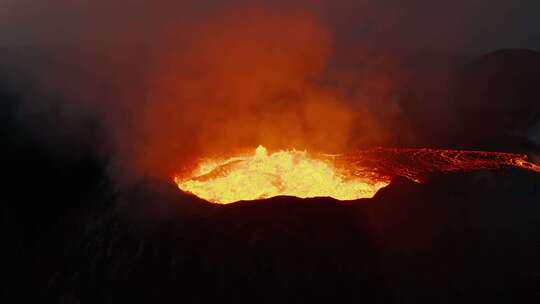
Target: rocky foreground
{"x":459,"y":238}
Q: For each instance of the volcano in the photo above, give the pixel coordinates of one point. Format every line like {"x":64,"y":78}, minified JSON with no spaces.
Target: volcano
{"x":386,"y":225}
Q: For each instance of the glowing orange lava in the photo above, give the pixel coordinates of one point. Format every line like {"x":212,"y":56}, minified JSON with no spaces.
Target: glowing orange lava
{"x":348,"y":176}
{"x":264,"y":175}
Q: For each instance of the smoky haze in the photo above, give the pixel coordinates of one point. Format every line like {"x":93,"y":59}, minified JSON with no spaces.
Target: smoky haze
{"x":170,"y":81}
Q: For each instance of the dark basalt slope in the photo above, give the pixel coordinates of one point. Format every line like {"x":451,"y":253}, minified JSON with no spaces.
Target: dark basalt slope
{"x":464,"y":237}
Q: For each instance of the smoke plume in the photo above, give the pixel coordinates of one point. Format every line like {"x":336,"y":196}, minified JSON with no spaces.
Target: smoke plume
{"x":168,"y":82}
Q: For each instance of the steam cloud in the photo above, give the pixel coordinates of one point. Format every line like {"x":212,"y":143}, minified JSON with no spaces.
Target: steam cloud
{"x":171,"y":81}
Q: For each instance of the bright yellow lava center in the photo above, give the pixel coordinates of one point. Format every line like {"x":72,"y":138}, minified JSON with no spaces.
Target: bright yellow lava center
{"x":263,"y":175}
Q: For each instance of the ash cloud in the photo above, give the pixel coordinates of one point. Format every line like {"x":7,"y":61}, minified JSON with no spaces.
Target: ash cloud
{"x":167,"y":82}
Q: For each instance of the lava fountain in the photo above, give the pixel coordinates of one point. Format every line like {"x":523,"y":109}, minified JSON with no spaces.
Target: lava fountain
{"x":344,"y":177}
{"x":286,"y":172}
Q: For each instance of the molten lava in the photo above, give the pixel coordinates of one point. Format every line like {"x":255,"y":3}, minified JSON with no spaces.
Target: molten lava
{"x":264,"y":175}
{"x":344,"y":177}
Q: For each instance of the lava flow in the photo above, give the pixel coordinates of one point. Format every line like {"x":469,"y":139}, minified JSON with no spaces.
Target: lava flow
{"x":263,"y":175}
{"x":344,"y":177}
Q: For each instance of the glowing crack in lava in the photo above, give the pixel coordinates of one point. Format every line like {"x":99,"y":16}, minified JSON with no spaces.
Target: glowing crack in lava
{"x":263,"y":175}
{"x":348,"y":176}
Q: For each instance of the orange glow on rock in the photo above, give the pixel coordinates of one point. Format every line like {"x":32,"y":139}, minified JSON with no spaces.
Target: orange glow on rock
{"x":264,"y":175}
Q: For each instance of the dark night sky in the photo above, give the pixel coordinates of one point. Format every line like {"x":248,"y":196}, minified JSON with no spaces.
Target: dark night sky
{"x":464,"y":26}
